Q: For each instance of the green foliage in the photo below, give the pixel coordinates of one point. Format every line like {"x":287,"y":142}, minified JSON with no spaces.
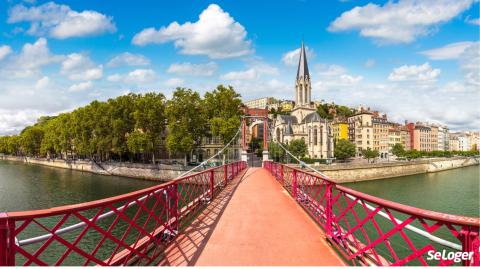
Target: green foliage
{"x":137,"y":142}
{"x":313,"y":160}
{"x":131,"y":125}
{"x":186,"y":117}
{"x":223,"y":111}
{"x":298,"y":148}
{"x":370,"y":154}
{"x":398,"y":150}
{"x":344,"y":149}
{"x":276,"y":152}
{"x":323,"y":111}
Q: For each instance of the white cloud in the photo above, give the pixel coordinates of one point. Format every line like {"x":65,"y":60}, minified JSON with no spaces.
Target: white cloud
{"x":291,"y":58}
{"x":448,"y":52}
{"x":30,"y":60}
{"x":347,"y":79}
{"x":78,"y":66}
{"x":60,"y":21}
{"x":114,"y":78}
{"x":470,"y":64}
{"x":248,"y":74}
{"x":255,"y":70}
{"x":5,"y":51}
{"x":330,"y":70}
{"x":82,"y":86}
{"x":474,"y":21}
{"x":135,"y":76}
{"x":400,"y":21}
{"x":42,"y":83}
{"x":12,"y":122}
{"x":174,"y":82}
{"x":421,"y":73}
{"x":128,"y":59}
{"x":207,"y":69}
{"x":215,"y":34}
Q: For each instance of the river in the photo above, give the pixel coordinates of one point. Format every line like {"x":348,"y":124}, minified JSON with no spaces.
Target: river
{"x":28,"y":187}
{"x":455,"y":191}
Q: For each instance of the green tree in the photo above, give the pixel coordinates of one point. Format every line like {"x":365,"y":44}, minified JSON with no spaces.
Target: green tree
{"x":138,"y":143}
{"x":149,"y":117}
{"x":398,"y":150}
{"x":370,"y":154}
{"x":185,"y":113}
{"x":276,"y":152}
{"x":31,"y":140}
{"x":344,"y":149}
{"x":223,"y":112}
{"x":298,"y":148}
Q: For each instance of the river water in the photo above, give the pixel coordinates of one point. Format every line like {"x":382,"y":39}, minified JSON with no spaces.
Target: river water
{"x":455,"y":191}
{"x":28,"y":187}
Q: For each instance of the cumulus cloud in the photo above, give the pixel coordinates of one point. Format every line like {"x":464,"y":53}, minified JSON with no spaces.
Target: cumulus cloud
{"x":174,"y":82}
{"x":60,"y":21}
{"x":82,"y":86}
{"x":470,"y":64}
{"x":400,"y":21}
{"x":5,"y":51}
{"x":207,"y":69}
{"x":128,"y":59}
{"x":42,"y":83}
{"x":215,"y":34}
{"x":474,"y":21}
{"x":135,"y":76}
{"x":448,"y":52}
{"x":240,"y":75}
{"x":78,"y":66}
{"x":421,"y":73}
{"x":291,"y":58}
{"x":30,"y":59}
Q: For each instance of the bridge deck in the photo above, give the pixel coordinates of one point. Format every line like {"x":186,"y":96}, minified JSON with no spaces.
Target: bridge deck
{"x":253,"y":221}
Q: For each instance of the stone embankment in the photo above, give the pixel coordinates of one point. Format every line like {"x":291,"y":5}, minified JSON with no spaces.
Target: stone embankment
{"x":160,"y":172}
{"x":343,"y":173}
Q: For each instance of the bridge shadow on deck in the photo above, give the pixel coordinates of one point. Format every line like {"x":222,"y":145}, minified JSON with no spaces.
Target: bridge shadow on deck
{"x":188,"y":246}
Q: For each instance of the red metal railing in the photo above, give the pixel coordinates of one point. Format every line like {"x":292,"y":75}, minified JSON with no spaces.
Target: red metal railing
{"x":133,"y":228}
{"x":371,"y":231}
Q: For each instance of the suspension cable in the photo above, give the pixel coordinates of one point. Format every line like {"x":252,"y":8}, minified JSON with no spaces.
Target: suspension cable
{"x":110,"y":213}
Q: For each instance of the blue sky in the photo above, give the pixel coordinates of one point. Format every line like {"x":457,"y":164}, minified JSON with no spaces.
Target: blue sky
{"x":414,"y":60}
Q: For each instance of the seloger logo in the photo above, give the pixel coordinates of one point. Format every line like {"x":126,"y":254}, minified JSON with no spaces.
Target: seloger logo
{"x":455,"y":256}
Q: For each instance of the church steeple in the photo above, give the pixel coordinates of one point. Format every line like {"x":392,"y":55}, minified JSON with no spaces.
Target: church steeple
{"x":303,"y":88}
{"x":302,"y":71}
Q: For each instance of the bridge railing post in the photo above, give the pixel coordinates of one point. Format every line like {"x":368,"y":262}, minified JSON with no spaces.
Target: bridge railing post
{"x":281,"y":175}
{"x":470,"y":244}
{"x":294,"y":185}
{"x":212,"y":183}
{"x":7,"y":257}
{"x":174,"y":205}
{"x":329,"y":210}
{"x":225,"y":174}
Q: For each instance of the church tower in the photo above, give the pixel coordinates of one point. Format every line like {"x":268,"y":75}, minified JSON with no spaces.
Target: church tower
{"x":303,"y":87}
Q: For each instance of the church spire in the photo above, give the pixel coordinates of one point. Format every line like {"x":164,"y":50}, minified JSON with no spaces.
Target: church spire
{"x":302,"y":71}
{"x":303,"y":89}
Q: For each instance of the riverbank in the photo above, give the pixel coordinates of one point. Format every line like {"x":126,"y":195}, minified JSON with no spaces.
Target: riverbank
{"x":158,"y":172}
{"x":342,"y":173}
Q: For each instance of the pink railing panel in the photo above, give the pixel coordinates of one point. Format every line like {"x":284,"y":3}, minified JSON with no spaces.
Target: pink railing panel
{"x":371,"y":231}
{"x":133,"y":228}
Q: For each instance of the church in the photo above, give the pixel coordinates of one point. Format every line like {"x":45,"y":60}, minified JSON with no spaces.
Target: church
{"x":304,"y":122}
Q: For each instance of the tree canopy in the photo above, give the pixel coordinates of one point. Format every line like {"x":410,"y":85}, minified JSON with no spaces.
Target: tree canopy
{"x":298,"y":148}
{"x":344,"y":149}
{"x":131,"y":126}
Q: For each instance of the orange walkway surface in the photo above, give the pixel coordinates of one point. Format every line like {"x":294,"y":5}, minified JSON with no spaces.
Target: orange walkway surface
{"x":253,"y":221}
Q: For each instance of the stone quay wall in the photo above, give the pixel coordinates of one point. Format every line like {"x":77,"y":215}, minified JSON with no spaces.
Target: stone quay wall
{"x":342,"y":173}
{"x":158,"y":172}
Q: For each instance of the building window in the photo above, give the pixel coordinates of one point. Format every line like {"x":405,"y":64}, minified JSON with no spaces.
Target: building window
{"x":315,"y":136}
